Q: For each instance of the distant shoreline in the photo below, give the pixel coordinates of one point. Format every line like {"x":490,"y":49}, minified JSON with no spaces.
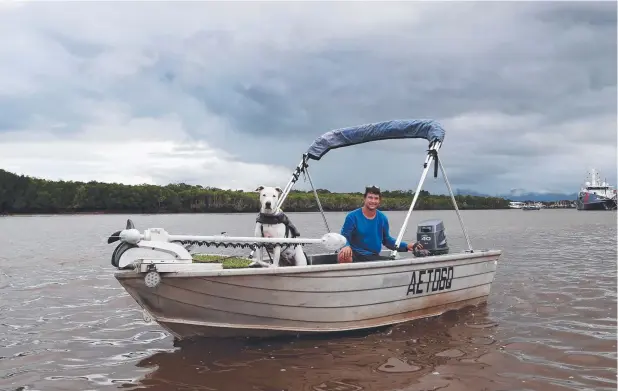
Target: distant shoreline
{"x":114,"y":213}
{"x":25,"y":214}
{"x":22,"y":196}
{"x":204,"y":213}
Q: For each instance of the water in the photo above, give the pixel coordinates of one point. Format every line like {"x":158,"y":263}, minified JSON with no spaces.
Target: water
{"x":549,"y":324}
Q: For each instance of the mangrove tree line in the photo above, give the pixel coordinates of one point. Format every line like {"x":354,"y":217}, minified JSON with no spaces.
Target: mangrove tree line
{"x":21,"y":194}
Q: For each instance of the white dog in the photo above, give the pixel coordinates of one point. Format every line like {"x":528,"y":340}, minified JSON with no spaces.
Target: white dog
{"x":273,"y":223}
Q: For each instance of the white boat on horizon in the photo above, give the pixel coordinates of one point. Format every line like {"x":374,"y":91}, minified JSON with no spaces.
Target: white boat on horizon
{"x":192,"y":299}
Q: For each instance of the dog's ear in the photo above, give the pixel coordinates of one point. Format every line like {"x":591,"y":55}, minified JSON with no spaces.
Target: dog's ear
{"x":279,"y":190}
{"x":259,"y":188}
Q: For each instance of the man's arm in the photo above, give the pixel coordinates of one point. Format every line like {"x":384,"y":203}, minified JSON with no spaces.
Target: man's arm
{"x":345,"y":254}
{"x":388,"y":241}
{"x":348,"y":227}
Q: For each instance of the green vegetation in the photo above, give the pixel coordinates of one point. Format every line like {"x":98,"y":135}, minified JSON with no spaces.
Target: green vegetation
{"x":227,"y":262}
{"x":22,"y":194}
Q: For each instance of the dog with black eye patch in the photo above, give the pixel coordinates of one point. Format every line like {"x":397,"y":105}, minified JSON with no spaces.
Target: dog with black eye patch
{"x":273,"y":223}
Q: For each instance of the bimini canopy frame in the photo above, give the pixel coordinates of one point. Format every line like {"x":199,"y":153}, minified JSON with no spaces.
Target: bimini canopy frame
{"x":428,"y":130}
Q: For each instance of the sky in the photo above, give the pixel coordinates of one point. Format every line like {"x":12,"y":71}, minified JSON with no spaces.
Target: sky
{"x":232,"y":94}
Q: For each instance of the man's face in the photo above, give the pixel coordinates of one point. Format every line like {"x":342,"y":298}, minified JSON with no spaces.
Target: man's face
{"x":372,"y":201}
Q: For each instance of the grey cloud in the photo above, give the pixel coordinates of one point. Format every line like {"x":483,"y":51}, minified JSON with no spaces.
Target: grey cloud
{"x":529,"y":68}
{"x":75,"y":47}
{"x":568,"y":14}
{"x":263,"y":91}
{"x":54,"y":111}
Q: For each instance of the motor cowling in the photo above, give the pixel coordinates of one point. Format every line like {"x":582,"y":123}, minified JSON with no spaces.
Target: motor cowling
{"x":431,"y":234}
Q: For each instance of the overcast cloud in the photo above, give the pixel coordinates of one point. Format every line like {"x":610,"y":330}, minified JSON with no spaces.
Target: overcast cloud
{"x":231,"y":94}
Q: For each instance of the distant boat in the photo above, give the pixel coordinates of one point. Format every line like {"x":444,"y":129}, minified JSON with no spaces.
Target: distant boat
{"x":525,"y":206}
{"x":596,"y":194}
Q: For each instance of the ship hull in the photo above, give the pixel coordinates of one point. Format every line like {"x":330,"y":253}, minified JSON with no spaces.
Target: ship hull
{"x":591,"y":201}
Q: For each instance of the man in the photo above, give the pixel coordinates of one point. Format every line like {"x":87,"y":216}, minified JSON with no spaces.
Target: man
{"x":366,"y":229}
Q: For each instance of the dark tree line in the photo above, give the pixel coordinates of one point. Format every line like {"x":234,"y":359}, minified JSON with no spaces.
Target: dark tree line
{"x":22,"y":194}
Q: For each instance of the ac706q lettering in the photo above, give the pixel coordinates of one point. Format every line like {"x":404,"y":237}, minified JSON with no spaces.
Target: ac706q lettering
{"x":430,"y":280}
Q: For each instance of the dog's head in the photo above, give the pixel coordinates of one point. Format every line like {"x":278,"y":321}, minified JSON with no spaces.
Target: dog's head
{"x":269,"y":198}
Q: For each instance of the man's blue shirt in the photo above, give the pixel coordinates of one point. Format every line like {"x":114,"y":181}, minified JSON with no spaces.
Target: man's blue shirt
{"x":366,"y":236}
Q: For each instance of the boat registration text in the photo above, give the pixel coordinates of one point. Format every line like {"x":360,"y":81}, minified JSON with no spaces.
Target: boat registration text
{"x":430,"y":280}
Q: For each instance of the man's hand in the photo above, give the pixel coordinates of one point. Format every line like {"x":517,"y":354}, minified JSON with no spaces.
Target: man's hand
{"x":345,"y":255}
{"x":412,"y":246}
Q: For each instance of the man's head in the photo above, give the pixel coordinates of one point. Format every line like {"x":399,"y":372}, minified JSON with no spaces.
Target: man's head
{"x":372,"y":197}
{"x":269,"y":197}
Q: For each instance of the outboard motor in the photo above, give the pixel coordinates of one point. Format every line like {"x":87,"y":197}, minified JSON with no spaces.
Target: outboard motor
{"x":430,"y":234}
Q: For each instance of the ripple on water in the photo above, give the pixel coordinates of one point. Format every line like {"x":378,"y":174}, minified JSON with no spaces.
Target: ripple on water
{"x":66,"y":324}
{"x":395,"y":365}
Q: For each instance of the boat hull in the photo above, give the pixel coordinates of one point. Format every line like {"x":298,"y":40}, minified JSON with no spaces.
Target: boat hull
{"x":312,"y":299}
{"x":183,"y":329}
{"x":591,"y":201}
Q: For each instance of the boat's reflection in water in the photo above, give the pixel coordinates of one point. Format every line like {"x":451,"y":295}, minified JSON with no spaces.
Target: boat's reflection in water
{"x":451,"y":349}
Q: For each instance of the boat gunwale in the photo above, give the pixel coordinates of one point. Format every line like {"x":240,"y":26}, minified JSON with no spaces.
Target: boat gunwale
{"x":284,"y":271}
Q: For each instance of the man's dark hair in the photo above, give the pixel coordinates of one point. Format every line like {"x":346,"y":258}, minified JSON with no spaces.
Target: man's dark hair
{"x":373,"y":190}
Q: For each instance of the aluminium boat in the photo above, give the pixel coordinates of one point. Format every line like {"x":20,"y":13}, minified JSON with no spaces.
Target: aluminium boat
{"x":191,"y":299}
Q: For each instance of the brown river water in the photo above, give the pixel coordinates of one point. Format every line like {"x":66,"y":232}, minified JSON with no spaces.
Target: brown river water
{"x":549,"y":323}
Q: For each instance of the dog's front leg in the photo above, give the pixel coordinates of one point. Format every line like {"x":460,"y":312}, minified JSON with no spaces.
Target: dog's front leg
{"x":276,"y":256}
{"x":301,"y":260}
{"x":258,"y":250}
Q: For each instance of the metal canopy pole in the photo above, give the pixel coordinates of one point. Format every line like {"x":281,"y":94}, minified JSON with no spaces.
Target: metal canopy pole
{"x":295,"y":175}
{"x":448,"y":185}
{"x":427,"y":165}
{"x":317,"y":199}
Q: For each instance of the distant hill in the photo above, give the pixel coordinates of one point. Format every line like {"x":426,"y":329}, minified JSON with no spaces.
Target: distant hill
{"x":541,"y":197}
{"x":521,"y":195}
